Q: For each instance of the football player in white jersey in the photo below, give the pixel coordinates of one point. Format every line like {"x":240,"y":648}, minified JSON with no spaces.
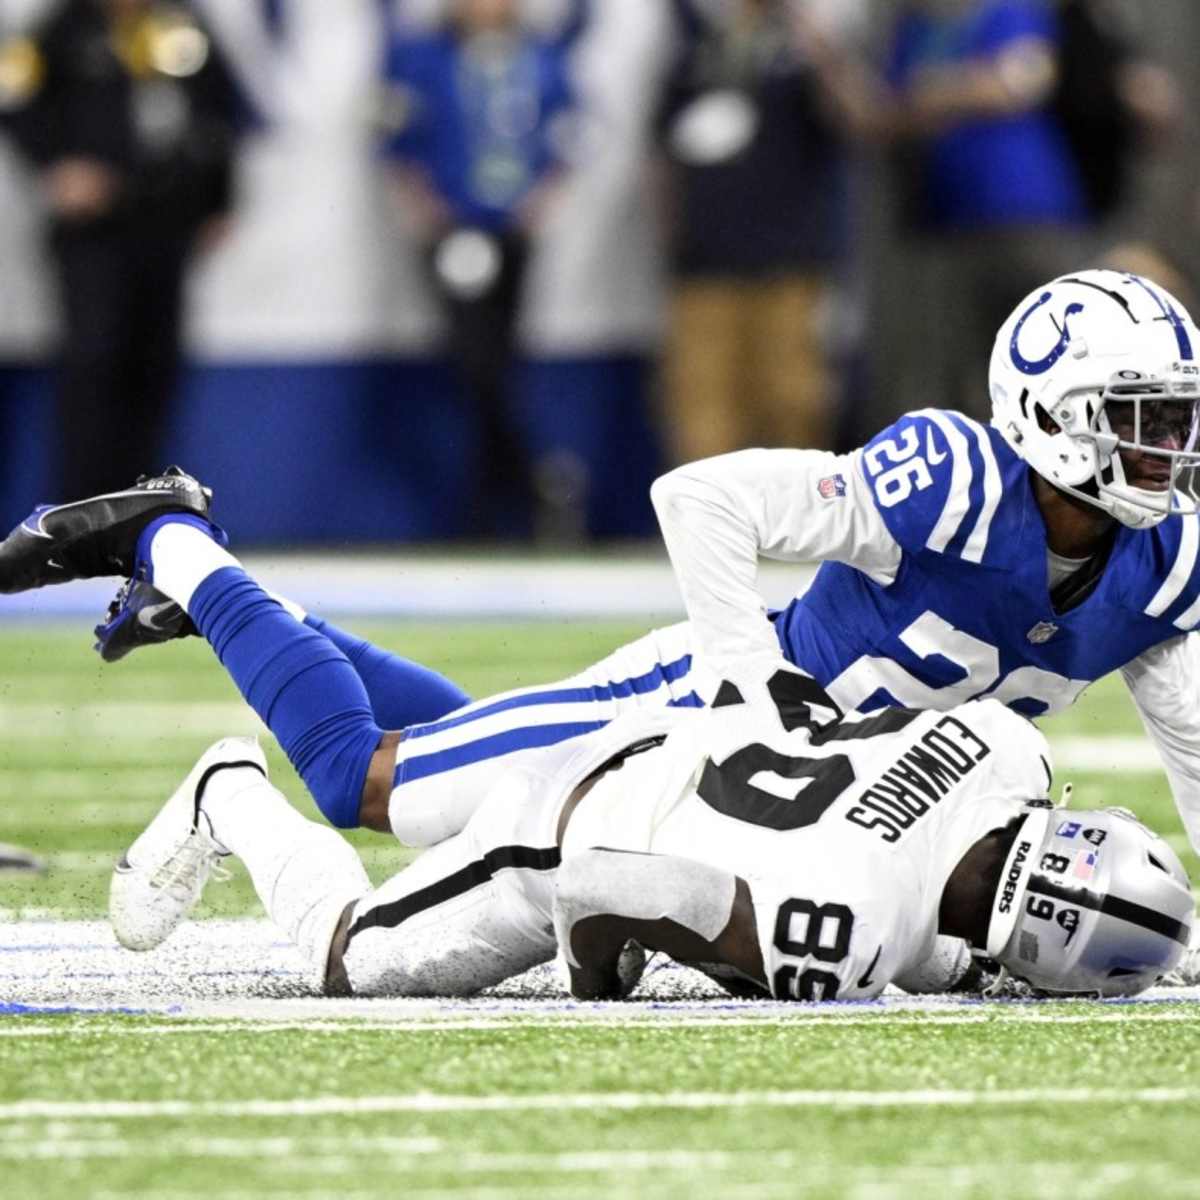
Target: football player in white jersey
{"x":782,"y":850}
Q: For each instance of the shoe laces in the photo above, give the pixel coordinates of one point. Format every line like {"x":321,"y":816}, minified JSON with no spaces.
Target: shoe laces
{"x":118,"y":601}
{"x":192,"y":862}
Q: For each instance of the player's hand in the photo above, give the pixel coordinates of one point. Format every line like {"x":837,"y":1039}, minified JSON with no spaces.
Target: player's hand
{"x":606,"y":977}
{"x":81,"y":189}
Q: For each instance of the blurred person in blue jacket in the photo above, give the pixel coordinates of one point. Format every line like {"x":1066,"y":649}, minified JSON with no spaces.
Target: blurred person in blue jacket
{"x":994,"y":197}
{"x":128,"y":114}
{"x":479,"y":110}
{"x":1012,"y":123}
{"x":759,"y":198}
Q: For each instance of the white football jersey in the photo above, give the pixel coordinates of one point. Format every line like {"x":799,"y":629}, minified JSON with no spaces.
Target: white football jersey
{"x":846,"y":832}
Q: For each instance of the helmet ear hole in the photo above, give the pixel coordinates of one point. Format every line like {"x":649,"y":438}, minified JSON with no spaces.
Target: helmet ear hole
{"x":1046,"y":423}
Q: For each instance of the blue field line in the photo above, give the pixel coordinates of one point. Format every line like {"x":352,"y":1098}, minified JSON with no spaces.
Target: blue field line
{"x":252,"y":972}
{"x":12,"y":1009}
{"x":58,"y":948}
{"x":107,"y":947}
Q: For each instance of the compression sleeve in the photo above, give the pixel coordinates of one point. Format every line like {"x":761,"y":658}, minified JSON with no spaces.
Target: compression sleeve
{"x":1162,"y":681}
{"x":720,"y":514}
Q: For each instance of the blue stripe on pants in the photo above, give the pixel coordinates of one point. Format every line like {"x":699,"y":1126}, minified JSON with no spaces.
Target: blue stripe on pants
{"x":638,"y":685}
{"x":420,"y":767}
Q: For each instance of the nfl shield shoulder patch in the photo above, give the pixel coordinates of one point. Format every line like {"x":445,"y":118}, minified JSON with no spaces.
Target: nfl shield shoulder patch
{"x":831,"y":487}
{"x":1043,"y":631}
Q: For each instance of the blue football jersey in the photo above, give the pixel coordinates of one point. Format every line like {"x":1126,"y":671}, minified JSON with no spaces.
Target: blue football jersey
{"x":969,"y":612}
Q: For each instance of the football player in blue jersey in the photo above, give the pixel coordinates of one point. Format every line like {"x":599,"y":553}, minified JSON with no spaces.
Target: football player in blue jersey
{"x":1020,"y":561}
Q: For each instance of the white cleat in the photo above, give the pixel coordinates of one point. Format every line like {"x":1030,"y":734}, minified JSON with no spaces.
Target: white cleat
{"x":159,"y":879}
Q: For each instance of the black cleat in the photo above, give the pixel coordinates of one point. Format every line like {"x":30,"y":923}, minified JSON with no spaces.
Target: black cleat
{"x":88,"y":538}
{"x":140,"y":615}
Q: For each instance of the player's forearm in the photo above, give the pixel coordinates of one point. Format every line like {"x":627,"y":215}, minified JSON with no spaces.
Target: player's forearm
{"x":1162,"y":684}
{"x":718,"y":516}
{"x":689,"y":910}
{"x":1015,"y":81}
{"x":713,"y":539}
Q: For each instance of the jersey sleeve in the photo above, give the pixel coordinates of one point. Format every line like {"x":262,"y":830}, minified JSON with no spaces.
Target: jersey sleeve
{"x":935,"y":482}
{"x":1163,"y":683}
{"x":719,"y":515}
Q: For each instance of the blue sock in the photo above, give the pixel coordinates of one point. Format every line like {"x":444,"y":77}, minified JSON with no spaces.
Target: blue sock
{"x":301,"y":685}
{"x":401,"y":692}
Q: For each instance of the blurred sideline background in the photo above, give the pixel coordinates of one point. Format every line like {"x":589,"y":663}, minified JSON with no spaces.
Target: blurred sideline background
{"x":324,"y":389}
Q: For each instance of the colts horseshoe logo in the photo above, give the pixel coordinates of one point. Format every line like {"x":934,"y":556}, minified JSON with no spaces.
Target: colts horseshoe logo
{"x":1041,"y":365}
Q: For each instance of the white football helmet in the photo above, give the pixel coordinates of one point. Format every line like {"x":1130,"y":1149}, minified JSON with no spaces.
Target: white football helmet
{"x":1089,"y":902}
{"x":1094,"y":365}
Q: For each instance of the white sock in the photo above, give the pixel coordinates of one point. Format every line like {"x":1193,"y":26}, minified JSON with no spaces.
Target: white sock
{"x":182,"y":558}
{"x":289,"y":606}
{"x":305,"y":874}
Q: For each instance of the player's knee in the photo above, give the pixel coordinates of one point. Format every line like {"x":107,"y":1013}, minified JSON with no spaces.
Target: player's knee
{"x":338,"y":804}
{"x":335,"y":769}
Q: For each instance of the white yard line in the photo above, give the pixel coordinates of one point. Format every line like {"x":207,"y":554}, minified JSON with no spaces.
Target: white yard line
{"x":859,"y":1181}
{"x":1103,"y":753}
{"x":586,"y":1101}
{"x":242,"y":971}
{"x":414,"y":1154}
{"x":932,"y":1013}
{"x":639,"y":587}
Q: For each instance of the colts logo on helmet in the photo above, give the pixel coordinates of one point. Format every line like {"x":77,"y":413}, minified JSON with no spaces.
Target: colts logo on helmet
{"x":1041,"y":365}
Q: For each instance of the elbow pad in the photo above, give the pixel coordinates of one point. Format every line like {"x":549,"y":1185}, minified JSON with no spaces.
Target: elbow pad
{"x":641,"y":887}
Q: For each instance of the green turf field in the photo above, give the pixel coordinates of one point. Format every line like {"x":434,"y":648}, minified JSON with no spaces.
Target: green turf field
{"x":1014,"y":1101}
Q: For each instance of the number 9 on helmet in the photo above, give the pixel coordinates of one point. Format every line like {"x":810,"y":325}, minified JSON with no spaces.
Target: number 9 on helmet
{"x":1089,"y":903}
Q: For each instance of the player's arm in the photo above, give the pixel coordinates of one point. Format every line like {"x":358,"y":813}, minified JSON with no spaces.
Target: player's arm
{"x":1162,"y":682}
{"x":719,"y":515}
{"x":689,"y":910}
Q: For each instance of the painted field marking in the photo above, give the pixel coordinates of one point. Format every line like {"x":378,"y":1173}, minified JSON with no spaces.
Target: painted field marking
{"x":1036,"y":1177}
{"x":913,"y":1019}
{"x":330,"y":1154}
{"x":23,"y":1110}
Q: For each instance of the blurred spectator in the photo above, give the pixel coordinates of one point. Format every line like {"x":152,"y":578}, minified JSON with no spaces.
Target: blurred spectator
{"x":992,"y":198}
{"x":759,"y":227}
{"x":995,"y":199}
{"x":127,"y":112}
{"x":1014,"y":125}
{"x":477,"y":108}
{"x":1112,"y":100}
